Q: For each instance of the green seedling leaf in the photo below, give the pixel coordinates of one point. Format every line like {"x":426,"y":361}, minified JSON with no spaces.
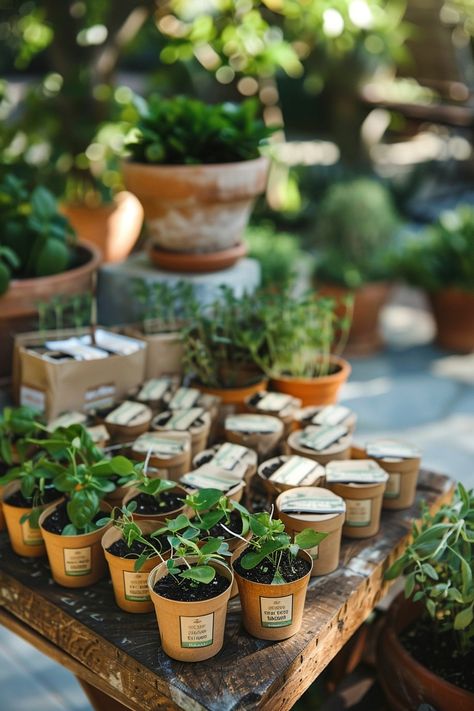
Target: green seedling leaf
{"x":464,"y":618}
{"x":200,"y":574}
{"x":309,"y":538}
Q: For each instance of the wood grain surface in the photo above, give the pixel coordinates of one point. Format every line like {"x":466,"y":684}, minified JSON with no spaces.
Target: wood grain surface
{"x":121,"y":653}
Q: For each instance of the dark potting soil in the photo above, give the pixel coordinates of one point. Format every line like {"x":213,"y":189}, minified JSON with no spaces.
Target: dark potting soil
{"x":148,"y":505}
{"x":290,"y":568}
{"x":58,"y":520}
{"x":175,"y":588}
{"x":161,"y":420}
{"x":270,"y":468}
{"x":255,"y":399}
{"x":204,"y":459}
{"x":120,"y":548}
{"x":439,"y":655}
{"x":17,"y":498}
{"x":234,"y":525}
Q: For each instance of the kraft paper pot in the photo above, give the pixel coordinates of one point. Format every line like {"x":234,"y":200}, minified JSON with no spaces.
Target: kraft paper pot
{"x":199,"y":432}
{"x":338,"y":450}
{"x":325,"y":557}
{"x":273,"y":612}
{"x":400,"y":490}
{"x":175,"y":465}
{"x":264,"y":443}
{"x":130,"y":587}
{"x":277,"y":487}
{"x":363,"y":508}
{"x":306,"y":414}
{"x":287,"y":414}
{"x":315,"y":391}
{"x":25,"y":540}
{"x":127,"y":433}
{"x":191,"y":631}
{"x":75,"y":561}
{"x":132,"y":492}
{"x":249,"y":460}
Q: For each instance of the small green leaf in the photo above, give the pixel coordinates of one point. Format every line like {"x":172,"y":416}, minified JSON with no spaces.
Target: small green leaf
{"x":464,"y":618}
{"x":200,"y":574}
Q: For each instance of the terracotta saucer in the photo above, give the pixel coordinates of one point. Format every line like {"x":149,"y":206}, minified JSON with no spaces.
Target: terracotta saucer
{"x":197,"y":262}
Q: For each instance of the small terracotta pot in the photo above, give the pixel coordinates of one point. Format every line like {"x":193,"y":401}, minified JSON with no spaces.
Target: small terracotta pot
{"x":127,"y":433}
{"x":130,"y":587}
{"x":248,"y":460}
{"x":287,"y":414}
{"x":25,"y":540}
{"x":274,"y":488}
{"x":325,"y":556}
{"x":195,"y":263}
{"x":406,"y":682}
{"x":453,"y":310}
{"x":75,"y":561}
{"x":260,"y":603}
{"x":164,"y":353}
{"x":306,"y":414}
{"x":264,"y":443}
{"x":199,"y":433}
{"x":338,"y":450}
{"x":175,"y":465}
{"x":363,"y":508}
{"x":315,"y":391}
{"x":132,"y":492}
{"x":191,"y":631}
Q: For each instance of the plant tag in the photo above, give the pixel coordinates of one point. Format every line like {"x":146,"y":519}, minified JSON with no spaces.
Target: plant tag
{"x":263,"y":424}
{"x":392,"y":489}
{"x":304,"y":503}
{"x":390,"y":449}
{"x":197,"y":631}
{"x":331,"y":415}
{"x":31,"y":397}
{"x":321,"y":437}
{"x":117,"y":343}
{"x":296,"y":471}
{"x":154,"y":389}
{"x":228,"y":455}
{"x":355,"y":471}
{"x":136,"y":586}
{"x":313,"y":552}
{"x":77,"y":561}
{"x":128,"y":413}
{"x":31,"y":536}
{"x":183,"y":419}
{"x":210,"y":477}
{"x":274,"y":402}
{"x":77,"y":348}
{"x":358,"y":512}
{"x":184,"y":398}
{"x":66,"y":419}
{"x":157,"y":444}
{"x":99,"y":396}
{"x":98,"y":433}
{"x":276,"y":611}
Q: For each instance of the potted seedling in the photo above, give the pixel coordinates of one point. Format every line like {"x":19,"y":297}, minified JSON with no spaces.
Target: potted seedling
{"x":153,"y":497}
{"x":215,"y":515}
{"x":272,"y":574}
{"x":426,"y":646}
{"x":196,"y":169}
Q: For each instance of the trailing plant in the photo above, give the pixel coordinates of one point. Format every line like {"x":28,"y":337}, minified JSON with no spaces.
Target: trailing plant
{"x":34,"y":477}
{"x":165,"y":307}
{"x":184,"y":131}
{"x":211,"y":507}
{"x":17,"y":424}
{"x":438,"y":565}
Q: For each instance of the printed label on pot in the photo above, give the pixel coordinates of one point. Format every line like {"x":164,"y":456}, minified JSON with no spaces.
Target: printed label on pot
{"x":274,"y":402}
{"x":154,"y":389}
{"x":135,"y":586}
{"x":296,"y":471}
{"x":313,"y":552}
{"x":99,"y":396}
{"x":302,"y":502}
{"x":252,"y":423}
{"x":128,"y":413}
{"x":391,"y":450}
{"x":321,"y":437}
{"x":77,"y":561}
{"x":184,"y":398}
{"x":31,"y":397}
{"x":210,"y":477}
{"x":197,"y":631}
{"x":66,"y":419}
{"x":356,"y":471}
{"x":157,"y":444}
{"x":31,"y":536}
{"x":358,"y":512}
{"x":183,"y":419}
{"x":331,"y":415}
{"x":392,"y":489}
{"x":276,"y":611}
{"x":228,"y":455}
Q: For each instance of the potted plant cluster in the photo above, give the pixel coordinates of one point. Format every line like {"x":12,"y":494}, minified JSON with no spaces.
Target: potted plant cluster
{"x":354,"y":237}
{"x":441,"y":261}
{"x":426,"y":649}
{"x":196,"y":169}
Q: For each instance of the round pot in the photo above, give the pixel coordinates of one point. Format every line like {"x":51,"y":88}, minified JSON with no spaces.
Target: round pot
{"x":132,"y":492}
{"x":194,"y":263}
{"x":400,"y":491}
{"x":127,"y":433}
{"x":364,"y":336}
{"x":287,"y":413}
{"x":248,"y":459}
{"x":306,"y":414}
{"x":157,"y":401}
{"x":232,"y":400}
{"x":235,"y":492}
{"x":130,"y":587}
{"x":191,"y":631}
{"x":112,"y":227}
{"x":363,"y":508}
{"x":406,"y":682}
{"x":277,"y":487}
{"x":260,"y":600}
{"x":315,"y":391}
{"x":75,"y":561}
{"x":325,"y":556}
{"x":199,"y":433}
{"x":197,"y":208}
{"x":453,"y":310}
{"x":19,"y":305}
{"x":175,"y":465}
{"x":338,"y":450}
{"x":264,"y":443}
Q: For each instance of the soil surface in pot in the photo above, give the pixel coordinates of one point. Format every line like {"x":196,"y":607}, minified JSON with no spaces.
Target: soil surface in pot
{"x":234,"y":525}
{"x":205,"y":459}
{"x":290,"y":568}
{"x":161,"y":420}
{"x":17,"y":499}
{"x":149,"y":505}
{"x":185,"y":590}
{"x":438,"y":654}
{"x":268,"y":470}
{"x":58,"y":520}
{"x":121,"y":550}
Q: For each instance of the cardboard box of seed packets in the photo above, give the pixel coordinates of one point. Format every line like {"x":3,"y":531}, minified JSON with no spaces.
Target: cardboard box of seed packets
{"x":59,"y":371}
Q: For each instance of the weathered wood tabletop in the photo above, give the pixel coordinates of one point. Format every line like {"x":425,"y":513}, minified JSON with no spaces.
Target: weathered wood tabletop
{"x":120,"y":653}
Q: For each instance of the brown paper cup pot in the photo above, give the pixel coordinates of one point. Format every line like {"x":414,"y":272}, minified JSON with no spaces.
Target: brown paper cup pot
{"x":130,"y":587}
{"x":132,"y":492}
{"x":338,"y":450}
{"x":264,"y":443}
{"x":25,"y":540}
{"x":273,"y":612}
{"x":306,"y":414}
{"x":363,"y":508}
{"x":75,"y":561}
{"x":287,"y":416}
{"x":175,"y":465}
{"x":190,"y":631}
{"x":274,"y":488}
{"x":249,"y":460}
{"x":400,"y":491}
{"x":199,"y":434}
{"x":126,"y":433}
{"x":325,"y":557}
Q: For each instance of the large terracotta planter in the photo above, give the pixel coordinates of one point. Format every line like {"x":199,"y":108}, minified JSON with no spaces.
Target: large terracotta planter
{"x":112,"y":227}
{"x":196,"y":208}
{"x":364,"y":336}
{"x":405,"y":681}
{"x":315,"y":391}
{"x":19,"y":305}
{"x":453,"y":310}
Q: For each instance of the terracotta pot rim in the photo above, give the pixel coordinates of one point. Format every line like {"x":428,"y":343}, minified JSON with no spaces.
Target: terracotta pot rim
{"x":343,"y":372}
{"x":155,"y":167}
{"x":301,"y":553}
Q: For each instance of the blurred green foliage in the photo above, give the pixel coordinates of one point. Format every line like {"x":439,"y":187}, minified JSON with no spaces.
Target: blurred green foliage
{"x":278,"y":254}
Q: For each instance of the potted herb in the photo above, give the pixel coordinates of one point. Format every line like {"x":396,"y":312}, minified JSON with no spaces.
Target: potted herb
{"x":196,"y":169}
{"x":154,"y":498}
{"x":441,"y":261}
{"x":216,"y":515}
{"x":354,"y":239}
{"x":426,"y":648}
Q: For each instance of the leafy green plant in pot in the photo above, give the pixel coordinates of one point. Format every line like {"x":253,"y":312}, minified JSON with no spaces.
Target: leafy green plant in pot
{"x":196,"y":169}
{"x":441,"y":261}
{"x":153,"y":497}
{"x":426,"y":648}
{"x":215,"y":515}
{"x":354,"y":236}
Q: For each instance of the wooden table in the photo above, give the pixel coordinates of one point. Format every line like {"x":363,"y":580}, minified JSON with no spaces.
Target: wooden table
{"x":119,"y":654}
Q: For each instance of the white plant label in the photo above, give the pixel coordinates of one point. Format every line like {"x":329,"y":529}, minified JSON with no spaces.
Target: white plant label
{"x":197,"y":631}
{"x":358,"y":512}
{"x":117,"y":343}
{"x":276,"y":611}
{"x":296,"y":471}
{"x":99,"y":396}
{"x":157,"y":444}
{"x":274,"y":402}
{"x":184,"y":398}
{"x":77,"y":561}
{"x":321,"y":438}
{"x":183,"y":419}
{"x":228,"y":455}
{"x":355,"y":471}
{"x":128,"y":413}
{"x":136,"y":586}
{"x":31,"y":397}
{"x":31,"y":536}
{"x":331,"y":415}
{"x":302,"y":502}
{"x":210,"y":477}
{"x":66,"y":419}
{"x":77,"y":348}
{"x":392,"y":490}
{"x":154,"y":389}
{"x":391,"y":450}
{"x":98,"y":433}
{"x":252,"y":423}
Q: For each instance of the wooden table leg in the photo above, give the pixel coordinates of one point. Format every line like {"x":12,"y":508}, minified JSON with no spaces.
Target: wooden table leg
{"x":99,"y":700}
